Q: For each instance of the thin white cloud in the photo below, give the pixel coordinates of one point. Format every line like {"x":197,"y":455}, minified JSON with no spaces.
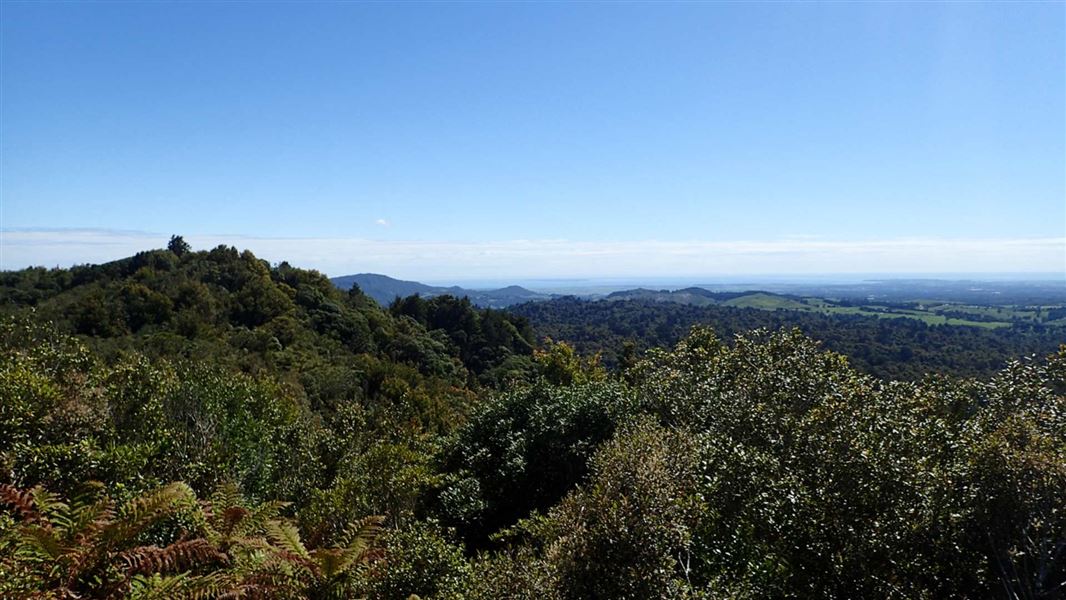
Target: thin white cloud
{"x":382,"y":222}
{"x":440,"y":260}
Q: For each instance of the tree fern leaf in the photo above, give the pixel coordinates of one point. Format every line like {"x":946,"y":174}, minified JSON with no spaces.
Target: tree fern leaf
{"x":257,"y":518}
{"x":286,"y":537}
{"x":38,"y":542}
{"x":360,"y":535}
{"x":183,"y":585}
{"x":142,"y":512}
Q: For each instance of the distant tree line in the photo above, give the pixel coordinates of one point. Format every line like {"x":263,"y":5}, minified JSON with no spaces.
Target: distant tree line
{"x":896,"y":348}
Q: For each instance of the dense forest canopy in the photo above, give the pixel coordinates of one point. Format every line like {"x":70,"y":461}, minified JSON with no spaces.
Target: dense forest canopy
{"x":896,"y":348}
{"x":203,"y":424}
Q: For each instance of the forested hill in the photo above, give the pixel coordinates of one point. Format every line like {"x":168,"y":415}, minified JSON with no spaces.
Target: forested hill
{"x":889,"y":348}
{"x":385,"y":289}
{"x":234,"y":309}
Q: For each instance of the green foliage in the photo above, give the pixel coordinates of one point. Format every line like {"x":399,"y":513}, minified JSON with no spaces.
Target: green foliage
{"x":560,"y":365}
{"x":138,"y":423}
{"x":524,"y":449}
{"x":888,"y":348}
{"x":205,"y":367}
{"x":230,"y":308}
{"x":821,"y":480}
{"x":778,"y":471}
{"x":381,"y":478}
{"x":485,"y":340}
{"x":627,"y":533}
{"x":178,"y":246}
{"x":758,"y":465}
{"x":89,"y":549}
{"x":419,"y":560}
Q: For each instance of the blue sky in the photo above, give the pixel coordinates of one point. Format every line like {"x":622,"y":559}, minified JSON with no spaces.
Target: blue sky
{"x":542,"y":139}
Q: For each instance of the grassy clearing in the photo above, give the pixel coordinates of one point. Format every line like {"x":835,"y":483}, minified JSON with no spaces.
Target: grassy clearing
{"x":767,"y":302}
{"x":930,"y":317}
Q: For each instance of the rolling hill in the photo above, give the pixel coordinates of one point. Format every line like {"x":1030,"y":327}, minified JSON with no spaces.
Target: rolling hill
{"x":385,"y":289}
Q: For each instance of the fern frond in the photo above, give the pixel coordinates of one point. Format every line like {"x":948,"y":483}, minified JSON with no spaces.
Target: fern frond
{"x":36,"y":542}
{"x":353,"y":548}
{"x":331,"y":561}
{"x":286,"y":537}
{"x":226,"y":495}
{"x":22,"y":501}
{"x":183,"y":585}
{"x":361,"y":534}
{"x":265,"y":584}
{"x":185,"y":554}
{"x":257,"y":518}
{"x":144,"y":511}
{"x":88,"y":493}
{"x":48,"y":504}
{"x":85,"y":522}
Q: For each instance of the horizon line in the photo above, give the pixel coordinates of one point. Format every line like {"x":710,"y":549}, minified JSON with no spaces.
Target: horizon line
{"x":555,"y":259}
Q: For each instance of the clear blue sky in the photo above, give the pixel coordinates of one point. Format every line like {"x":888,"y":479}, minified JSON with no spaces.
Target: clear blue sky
{"x":460,"y":129}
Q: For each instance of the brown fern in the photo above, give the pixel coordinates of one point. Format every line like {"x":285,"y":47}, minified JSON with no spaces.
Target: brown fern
{"x":22,"y":501}
{"x":89,"y":549}
{"x":181,"y":555}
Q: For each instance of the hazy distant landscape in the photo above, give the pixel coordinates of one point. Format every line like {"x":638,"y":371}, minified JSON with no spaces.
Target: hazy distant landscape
{"x":962,"y":327}
{"x":499,"y":300}
{"x":968,"y":302}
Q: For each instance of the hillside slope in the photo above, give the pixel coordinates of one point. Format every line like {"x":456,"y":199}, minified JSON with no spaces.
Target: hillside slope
{"x":235,"y":309}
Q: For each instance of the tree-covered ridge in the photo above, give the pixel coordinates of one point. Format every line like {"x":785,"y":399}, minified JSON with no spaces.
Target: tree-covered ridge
{"x":493,"y":343}
{"x":385,"y":290}
{"x":230,"y":307}
{"x":747,"y":465}
{"x":887,"y":348}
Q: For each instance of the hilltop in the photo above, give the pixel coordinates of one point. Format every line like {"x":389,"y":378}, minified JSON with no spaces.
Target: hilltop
{"x":235,"y":309}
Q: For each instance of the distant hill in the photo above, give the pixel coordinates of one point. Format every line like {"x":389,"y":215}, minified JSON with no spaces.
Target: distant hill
{"x":931,"y":313}
{"x":693,"y":296}
{"x":697,"y":296}
{"x":385,"y":289}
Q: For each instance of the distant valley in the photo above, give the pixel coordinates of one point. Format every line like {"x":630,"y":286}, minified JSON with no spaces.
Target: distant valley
{"x":987,"y":305}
